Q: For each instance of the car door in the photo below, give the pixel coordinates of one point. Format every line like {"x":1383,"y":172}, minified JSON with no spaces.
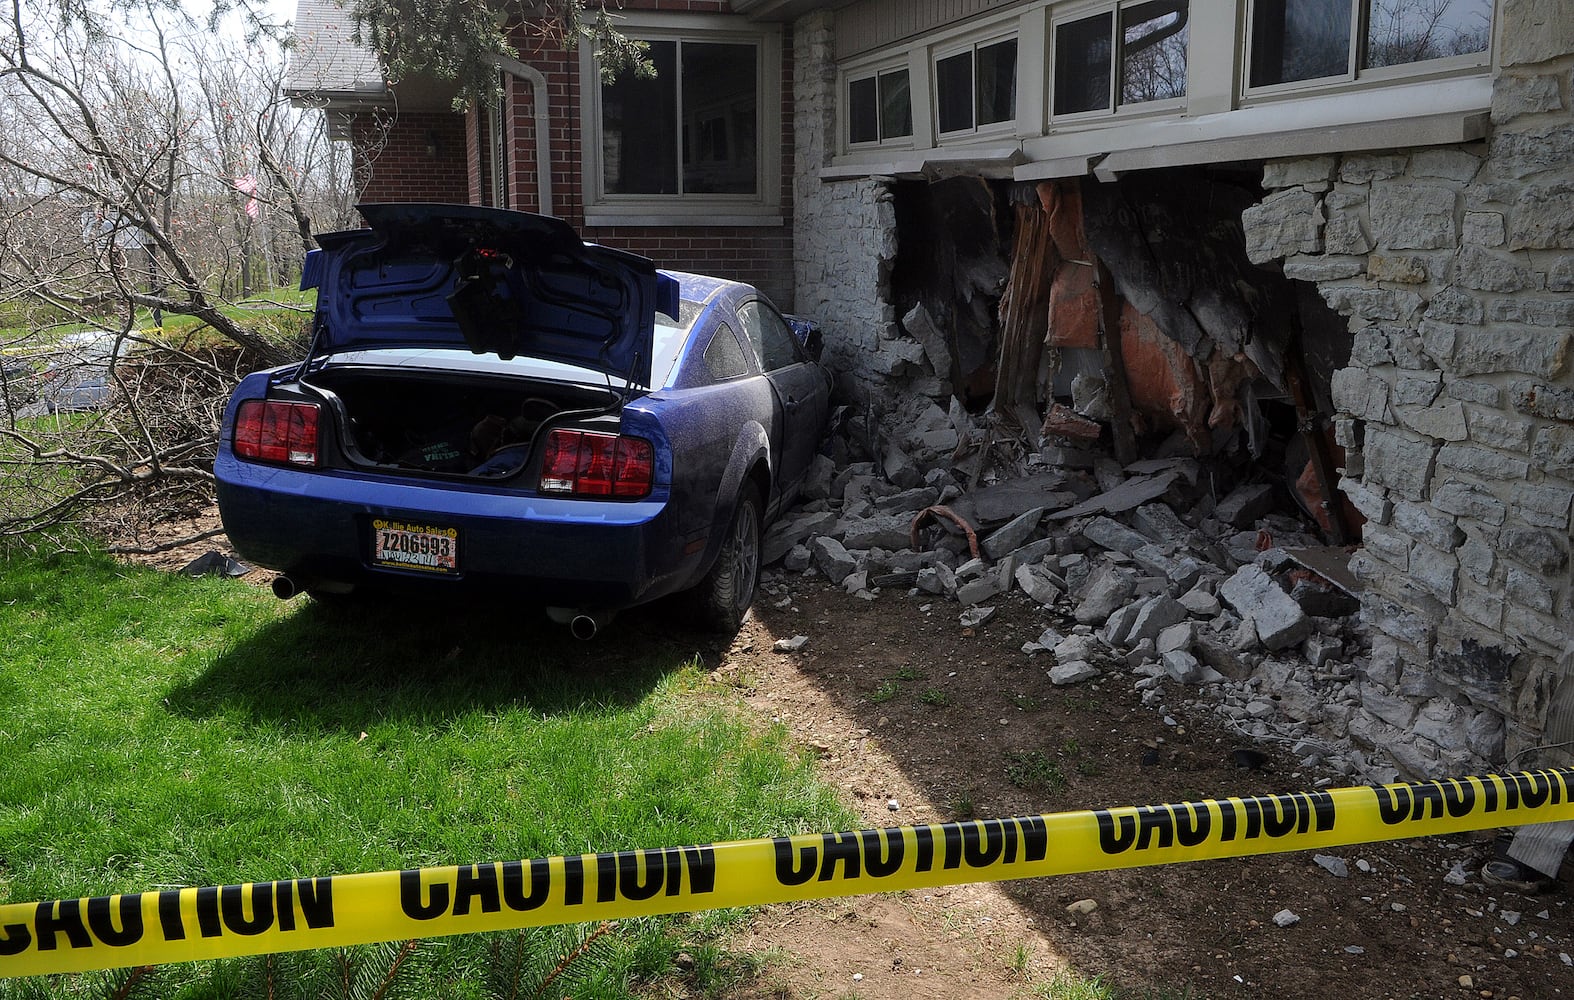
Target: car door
{"x":798,"y":386}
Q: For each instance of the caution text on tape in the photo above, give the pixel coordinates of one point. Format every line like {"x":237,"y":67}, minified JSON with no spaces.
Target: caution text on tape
{"x":179,"y":925}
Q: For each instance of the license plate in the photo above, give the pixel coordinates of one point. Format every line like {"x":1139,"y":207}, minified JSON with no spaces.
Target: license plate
{"x":404,"y":545}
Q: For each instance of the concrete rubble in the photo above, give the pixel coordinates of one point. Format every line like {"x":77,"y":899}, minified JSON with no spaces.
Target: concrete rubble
{"x":1149,"y":585}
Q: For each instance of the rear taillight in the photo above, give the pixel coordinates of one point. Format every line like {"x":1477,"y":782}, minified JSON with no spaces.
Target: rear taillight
{"x":268,"y":430}
{"x":589,"y":464}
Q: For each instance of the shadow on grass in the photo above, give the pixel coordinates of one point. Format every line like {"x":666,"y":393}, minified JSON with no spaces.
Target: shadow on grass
{"x":328,"y":667}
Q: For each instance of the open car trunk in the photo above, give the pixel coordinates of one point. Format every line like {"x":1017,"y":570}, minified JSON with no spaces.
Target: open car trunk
{"x":469,"y":426}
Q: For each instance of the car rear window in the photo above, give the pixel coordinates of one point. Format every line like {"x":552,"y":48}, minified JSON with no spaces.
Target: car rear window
{"x":669,"y":341}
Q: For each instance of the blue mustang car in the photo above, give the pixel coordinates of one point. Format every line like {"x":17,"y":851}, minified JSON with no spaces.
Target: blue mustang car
{"x":489,"y":401}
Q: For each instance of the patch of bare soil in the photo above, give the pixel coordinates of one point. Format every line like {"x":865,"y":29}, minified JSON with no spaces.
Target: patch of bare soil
{"x":905,"y":706}
{"x":917,"y":719}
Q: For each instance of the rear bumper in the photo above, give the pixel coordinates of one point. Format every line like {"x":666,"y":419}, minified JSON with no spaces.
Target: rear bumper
{"x":316,"y":527}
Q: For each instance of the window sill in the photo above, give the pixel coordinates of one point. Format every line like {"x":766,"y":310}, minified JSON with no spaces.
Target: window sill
{"x":693,"y":216}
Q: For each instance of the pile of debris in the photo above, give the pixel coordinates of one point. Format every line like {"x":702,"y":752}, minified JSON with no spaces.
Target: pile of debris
{"x":1147,"y":571}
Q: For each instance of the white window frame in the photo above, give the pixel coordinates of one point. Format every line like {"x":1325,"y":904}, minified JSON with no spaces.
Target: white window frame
{"x":763,"y":208}
{"x":875,"y":71}
{"x":1116,"y":109}
{"x":1355,"y":77}
{"x":971,"y":44}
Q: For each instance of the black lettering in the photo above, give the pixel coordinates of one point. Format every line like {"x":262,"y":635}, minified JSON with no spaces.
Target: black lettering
{"x":840,"y":848}
{"x":1280,"y":814}
{"x":1393,"y":803}
{"x":1226,"y":820}
{"x":606,"y":878}
{"x":926,"y":848}
{"x":476,"y":882}
{"x":573,"y":880}
{"x":629,"y":864}
{"x":316,"y":896}
{"x":232,"y":899}
{"x":46,"y":924}
{"x":953,"y":845}
{"x":14,"y":939}
{"x":1113,"y":840}
{"x":1253,"y":810}
{"x":1323,"y":811}
{"x":1458,"y":798}
{"x":169,"y":915}
{"x":100,"y":919}
{"x":284,"y":905}
{"x":410,"y":897}
{"x":1488,"y":789}
{"x":1151,"y":820}
{"x":788,"y":873}
{"x":881,"y":864}
{"x":514,"y":884}
{"x":208,"y":922}
{"x":1035,"y":838}
{"x":702,"y":868}
{"x":982,"y":842}
{"x":1542,"y":790}
{"x":1192,"y":823}
{"x":1424,"y":793}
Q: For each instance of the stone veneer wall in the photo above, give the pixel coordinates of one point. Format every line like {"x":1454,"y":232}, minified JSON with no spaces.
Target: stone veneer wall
{"x":1454,"y":266}
{"x":844,"y":234}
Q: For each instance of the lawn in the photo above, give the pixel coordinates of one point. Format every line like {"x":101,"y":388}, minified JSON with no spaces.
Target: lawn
{"x":159,"y":731}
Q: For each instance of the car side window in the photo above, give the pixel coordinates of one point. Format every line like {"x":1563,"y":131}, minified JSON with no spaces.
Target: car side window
{"x":723,"y":357}
{"x":770,"y":336}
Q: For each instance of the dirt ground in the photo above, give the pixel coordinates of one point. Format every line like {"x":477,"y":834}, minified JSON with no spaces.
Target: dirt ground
{"x":918,"y":719}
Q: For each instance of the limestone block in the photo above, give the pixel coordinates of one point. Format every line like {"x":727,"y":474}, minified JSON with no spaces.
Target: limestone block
{"x":889,"y":531}
{"x":1549,"y":635}
{"x":1422,"y":522}
{"x":1490,"y":427}
{"x":1113,"y":535}
{"x":1407,"y":269}
{"x":1543,"y":216}
{"x":1530,"y":590}
{"x":1442,"y":722}
{"x":1315,"y":173}
{"x":1279,"y":621}
{"x":1345,"y":232}
{"x":1417,"y":388}
{"x":1387,"y":706}
{"x":1283,"y":224}
{"x":1492,"y":270}
{"x":1373,"y":505}
{"x":1521,"y":153}
{"x":1533,"y":310}
{"x":832,"y":559}
{"x":1400,"y":463}
{"x":1370,"y":347}
{"x":1532,"y":350}
{"x":1371,"y":303}
{"x":1465,"y":499}
{"x":1484,"y":229}
{"x":1514,"y":96}
{"x":1323,"y":268}
{"x":1363,"y":168}
{"x":1477,"y":557}
{"x":1486,"y":463}
{"x":1472,"y":391}
{"x":1361,"y":393}
{"x":1445,"y":421}
{"x":1544,"y":504}
{"x":1013,"y":534}
{"x":1560,"y":275}
{"x":1453,"y":305}
{"x":1409,"y":350}
{"x":1448,"y":163}
{"x":1437,"y":571}
{"x":1550,"y":402}
{"x":1534,"y":31}
{"x":1408,"y":216}
{"x":1391,"y":546}
{"x":1553,"y":451}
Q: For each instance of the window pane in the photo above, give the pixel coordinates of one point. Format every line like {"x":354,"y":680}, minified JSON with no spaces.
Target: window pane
{"x":997,"y":82}
{"x":1083,"y":60}
{"x":863,"y":111}
{"x":1153,"y":51}
{"x":954,"y":92}
{"x":723,"y":357}
{"x":720,"y":104}
{"x":1407,"y":31}
{"x":896,"y":105}
{"x":1299,"y":40}
{"x":639,"y":128}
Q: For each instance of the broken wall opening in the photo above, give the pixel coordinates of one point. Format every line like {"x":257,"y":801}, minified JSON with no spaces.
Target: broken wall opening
{"x":1075,"y":318}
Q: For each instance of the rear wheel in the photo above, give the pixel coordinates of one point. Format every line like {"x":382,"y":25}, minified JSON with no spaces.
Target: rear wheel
{"x":723,"y":597}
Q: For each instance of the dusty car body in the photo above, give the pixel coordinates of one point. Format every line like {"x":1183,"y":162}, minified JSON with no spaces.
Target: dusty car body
{"x":490,"y":402}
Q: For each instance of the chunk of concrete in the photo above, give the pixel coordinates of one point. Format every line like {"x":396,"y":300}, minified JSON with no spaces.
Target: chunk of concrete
{"x":1113,"y":535}
{"x":1157,"y":615}
{"x":1245,"y":505}
{"x":1074,"y":672}
{"x":1036,"y":586}
{"x":1013,"y":534}
{"x":1160,"y":523}
{"x":1277,"y":619}
{"x":1107,"y":589}
{"x":1182,"y":666}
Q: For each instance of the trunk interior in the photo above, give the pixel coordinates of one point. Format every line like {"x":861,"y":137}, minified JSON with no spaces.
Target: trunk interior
{"x":454,"y":426}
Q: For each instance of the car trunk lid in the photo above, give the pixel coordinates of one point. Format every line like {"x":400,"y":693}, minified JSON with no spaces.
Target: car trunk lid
{"x":495,"y":281}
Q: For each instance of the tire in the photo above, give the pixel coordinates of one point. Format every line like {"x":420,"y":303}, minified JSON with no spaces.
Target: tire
{"x":723,"y":597}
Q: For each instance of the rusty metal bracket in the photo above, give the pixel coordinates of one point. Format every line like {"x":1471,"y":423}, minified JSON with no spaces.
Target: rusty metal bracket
{"x":934,"y":513}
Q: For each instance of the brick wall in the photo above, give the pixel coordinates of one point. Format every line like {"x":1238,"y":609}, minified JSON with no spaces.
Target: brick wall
{"x":401,"y":170}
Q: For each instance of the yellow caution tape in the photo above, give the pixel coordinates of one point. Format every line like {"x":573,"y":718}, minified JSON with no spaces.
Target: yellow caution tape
{"x":182,"y":925}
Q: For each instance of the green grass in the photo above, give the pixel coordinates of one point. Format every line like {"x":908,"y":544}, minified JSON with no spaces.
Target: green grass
{"x":164,"y":731}
{"x":1034,"y":771}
